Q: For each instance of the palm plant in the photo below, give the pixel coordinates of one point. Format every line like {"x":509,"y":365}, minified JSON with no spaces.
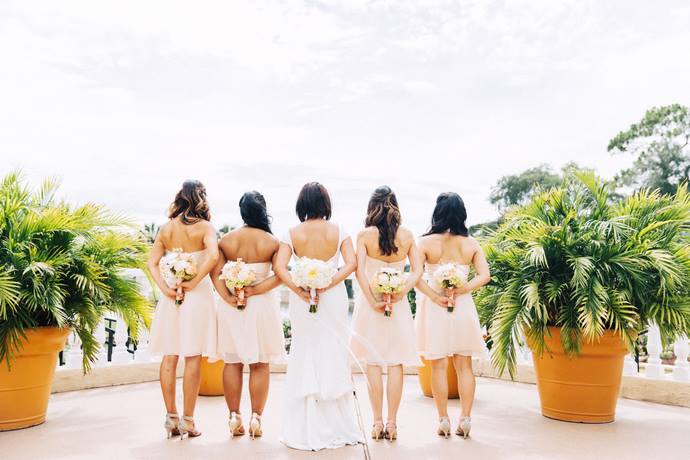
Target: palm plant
{"x":62,"y":266}
{"x":575,"y":258}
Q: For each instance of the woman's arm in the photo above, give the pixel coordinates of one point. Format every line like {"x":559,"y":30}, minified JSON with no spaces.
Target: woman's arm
{"x":364,"y":283}
{"x":422,"y":285}
{"x":155,"y":256}
{"x":266,"y":285}
{"x":482,"y":274}
{"x":350,"y":265}
{"x":219,"y":284}
{"x":211,"y":244}
{"x":416,"y":269}
{"x":280,"y":268}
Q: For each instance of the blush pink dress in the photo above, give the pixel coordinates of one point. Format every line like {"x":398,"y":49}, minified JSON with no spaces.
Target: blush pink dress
{"x":378,"y":340}
{"x":255,"y":334}
{"x":441,"y":334}
{"x":190,"y":328}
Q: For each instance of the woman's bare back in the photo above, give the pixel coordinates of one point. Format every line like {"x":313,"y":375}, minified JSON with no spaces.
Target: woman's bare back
{"x":252,"y":245}
{"x":403,"y":241}
{"x":188,"y":237}
{"x":447,"y":248}
{"x":316,"y":239}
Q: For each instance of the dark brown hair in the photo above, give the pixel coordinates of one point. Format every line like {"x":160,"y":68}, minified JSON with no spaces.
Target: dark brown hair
{"x":383,"y":213}
{"x":190,"y":203}
{"x":449,"y":215}
{"x":253,"y":211}
{"x":313,"y":202}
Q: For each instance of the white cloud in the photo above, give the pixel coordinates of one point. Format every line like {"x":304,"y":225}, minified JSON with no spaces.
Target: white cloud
{"x":124,"y":100}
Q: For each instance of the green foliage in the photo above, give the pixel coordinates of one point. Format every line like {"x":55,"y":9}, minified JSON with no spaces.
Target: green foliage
{"x":150,"y":231}
{"x":518,"y":188}
{"x":576,"y":258}
{"x":62,"y":266}
{"x":660,"y":144}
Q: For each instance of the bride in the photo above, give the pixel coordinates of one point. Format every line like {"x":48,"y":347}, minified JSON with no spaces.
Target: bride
{"x":319,"y":408}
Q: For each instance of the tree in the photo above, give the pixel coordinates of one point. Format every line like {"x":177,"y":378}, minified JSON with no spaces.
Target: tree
{"x":516,"y":189}
{"x":660,"y":143}
{"x":150,"y":231}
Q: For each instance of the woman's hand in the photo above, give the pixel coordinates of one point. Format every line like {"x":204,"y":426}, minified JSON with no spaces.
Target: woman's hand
{"x":230,"y":300}
{"x":441,"y":301}
{"x":378,"y":306}
{"x":306,"y":295}
{"x":171,"y":293}
{"x":191,"y":284}
{"x":249,"y":291}
{"x":462,"y":290}
{"x":395,"y":298}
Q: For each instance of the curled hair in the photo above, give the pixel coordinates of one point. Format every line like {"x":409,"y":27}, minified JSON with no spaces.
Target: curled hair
{"x":253,"y":211}
{"x":190,"y":203}
{"x":313,"y":202}
{"x":449,"y":215}
{"x":383,"y":213}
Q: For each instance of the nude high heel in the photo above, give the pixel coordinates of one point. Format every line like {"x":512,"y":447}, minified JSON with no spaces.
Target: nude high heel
{"x":171,"y":425}
{"x":188,"y":429}
{"x":391,"y":431}
{"x":444,"y":427}
{"x":464,"y":427}
{"x":377,"y":431}
{"x":255,"y":426}
{"x":235,"y":425}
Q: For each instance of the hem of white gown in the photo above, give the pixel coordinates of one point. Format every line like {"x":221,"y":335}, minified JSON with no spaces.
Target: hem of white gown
{"x":407,"y":363}
{"x":329,"y":447}
{"x":231,"y":358}
{"x":158,"y":354}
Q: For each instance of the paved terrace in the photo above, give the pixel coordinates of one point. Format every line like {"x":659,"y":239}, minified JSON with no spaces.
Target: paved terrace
{"x":126,"y":422}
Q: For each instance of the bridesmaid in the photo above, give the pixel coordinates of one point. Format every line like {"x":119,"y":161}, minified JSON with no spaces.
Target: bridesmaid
{"x":254,"y":335}
{"x":441,"y":334}
{"x":187,"y":330}
{"x":381,"y":341}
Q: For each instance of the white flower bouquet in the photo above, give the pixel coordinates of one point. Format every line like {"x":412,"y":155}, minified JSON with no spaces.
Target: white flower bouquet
{"x":177,"y":266}
{"x":238,"y":275}
{"x":448,"y":277}
{"x":312,"y":274}
{"x":388,"y":281}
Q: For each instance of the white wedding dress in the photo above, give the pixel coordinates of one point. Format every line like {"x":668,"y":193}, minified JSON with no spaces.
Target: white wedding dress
{"x":319,"y":410}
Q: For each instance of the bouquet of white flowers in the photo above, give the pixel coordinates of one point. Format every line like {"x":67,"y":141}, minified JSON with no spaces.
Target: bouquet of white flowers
{"x":448,"y":277}
{"x":312,"y":274}
{"x":237,"y":275}
{"x":176,"y":267}
{"x":388,"y":281}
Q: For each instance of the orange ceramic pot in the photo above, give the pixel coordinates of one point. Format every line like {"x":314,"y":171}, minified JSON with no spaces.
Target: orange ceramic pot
{"x":25,"y":387}
{"x":583,"y":388}
{"x":211,"y":378}
{"x":424,"y":375}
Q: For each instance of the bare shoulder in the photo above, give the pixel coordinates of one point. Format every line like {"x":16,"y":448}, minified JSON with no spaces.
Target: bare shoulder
{"x":367,"y":233}
{"x":405,"y":235}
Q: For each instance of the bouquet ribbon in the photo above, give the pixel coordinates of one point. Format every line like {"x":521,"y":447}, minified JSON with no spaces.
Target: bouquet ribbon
{"x":451,"y":299}
{"x":313,"y":305}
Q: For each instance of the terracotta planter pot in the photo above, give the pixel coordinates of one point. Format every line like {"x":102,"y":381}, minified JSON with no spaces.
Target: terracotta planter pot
{"x":424,"y":376}
{"x":211,"y":378}
{"x":584,"y":388}
{"x":25,"y":388}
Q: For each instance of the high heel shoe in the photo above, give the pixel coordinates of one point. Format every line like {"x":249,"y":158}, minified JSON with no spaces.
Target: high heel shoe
{"x":377,"y":431}
{"x":464,"y":427}
{"x":188,"y":429}
{"x":444,"y":427}
{"x":391,"y":431}
{"x":171,"y":425}
{"x":235,"y":425}
{"x":255,"y":426}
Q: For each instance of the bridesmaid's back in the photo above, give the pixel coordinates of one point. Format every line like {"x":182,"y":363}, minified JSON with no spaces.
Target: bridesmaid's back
{"x":446,"y":248}
{"x":403,"y":241}
{"x":189,"y":237}
{"x":316,"y":239}
{"x":252,"y":245}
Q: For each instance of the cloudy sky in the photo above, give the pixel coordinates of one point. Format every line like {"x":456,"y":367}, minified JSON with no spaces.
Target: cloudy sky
{"x":124,"y":100}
